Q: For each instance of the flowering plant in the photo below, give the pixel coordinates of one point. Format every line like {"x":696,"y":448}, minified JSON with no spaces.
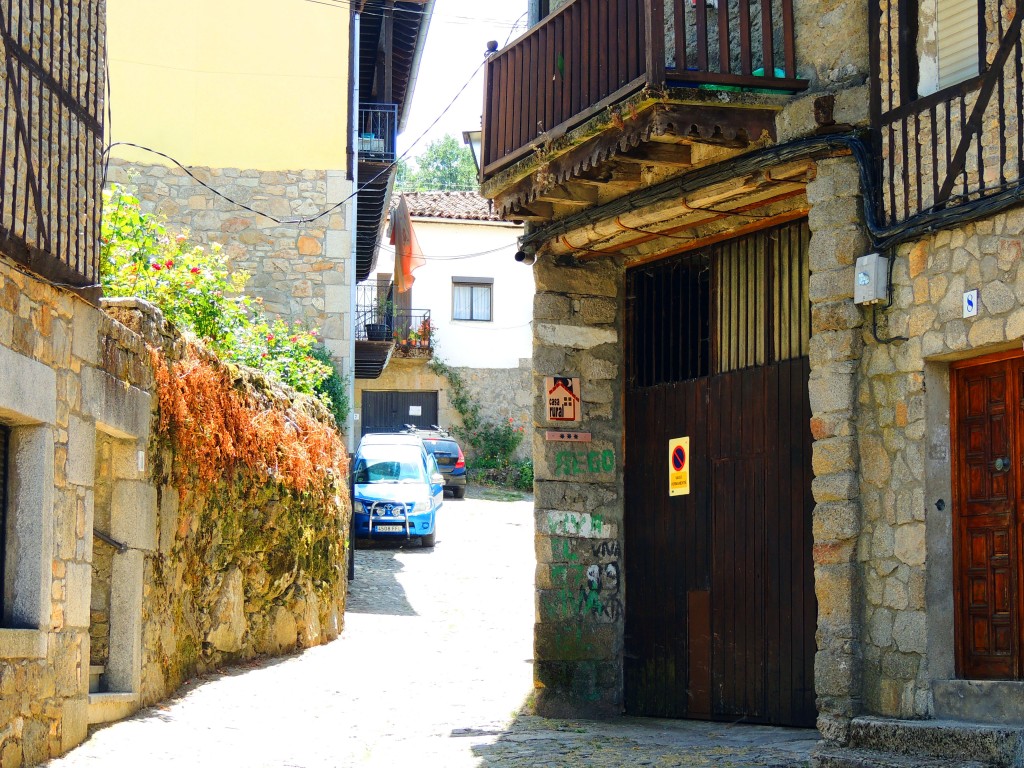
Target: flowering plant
{"x":197,"y":290}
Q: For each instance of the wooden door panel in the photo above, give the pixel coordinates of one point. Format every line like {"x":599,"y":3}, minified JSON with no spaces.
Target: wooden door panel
{"x":986,"y":518}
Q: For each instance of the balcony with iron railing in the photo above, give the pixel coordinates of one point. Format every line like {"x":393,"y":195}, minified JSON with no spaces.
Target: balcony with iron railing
{"x":382,"y":329}
{"x":595,"y":54}
{"x":378,"y":132}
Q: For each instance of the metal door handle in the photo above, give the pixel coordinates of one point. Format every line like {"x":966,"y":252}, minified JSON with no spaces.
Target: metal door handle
{"x":1001,"y":464}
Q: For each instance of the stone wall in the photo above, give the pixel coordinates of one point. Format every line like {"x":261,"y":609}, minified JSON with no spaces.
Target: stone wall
{"x":577,"y":331}
{"x":837,"y":342}
{"x":73,"y":379}
{"x":302,"y":272}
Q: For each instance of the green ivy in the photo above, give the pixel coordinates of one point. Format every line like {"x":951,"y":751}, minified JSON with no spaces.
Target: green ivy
{"x":494,"y":444}
{"x":334,"y":386}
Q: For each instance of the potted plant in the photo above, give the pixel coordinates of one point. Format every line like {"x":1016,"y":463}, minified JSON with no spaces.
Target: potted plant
{"x":414,"y":338}
{"x":380,"y":327}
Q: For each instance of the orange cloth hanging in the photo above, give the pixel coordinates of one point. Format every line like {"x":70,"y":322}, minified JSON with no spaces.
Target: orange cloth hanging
{"x":408,"y":255}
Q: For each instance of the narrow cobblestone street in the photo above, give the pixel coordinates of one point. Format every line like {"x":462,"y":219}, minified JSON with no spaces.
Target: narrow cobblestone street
{"x":433,"y":669}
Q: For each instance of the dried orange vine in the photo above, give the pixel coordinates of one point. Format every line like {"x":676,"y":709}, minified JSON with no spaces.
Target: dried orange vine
{"x":223,"y":432}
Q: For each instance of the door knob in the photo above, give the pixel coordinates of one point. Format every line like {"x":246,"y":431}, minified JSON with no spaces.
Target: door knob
{"x":1001,"y":464}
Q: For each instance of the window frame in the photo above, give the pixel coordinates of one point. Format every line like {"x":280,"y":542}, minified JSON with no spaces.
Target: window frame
{"x":473,"y":282}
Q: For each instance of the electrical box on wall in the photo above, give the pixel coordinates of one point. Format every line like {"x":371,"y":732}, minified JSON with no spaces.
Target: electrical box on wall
{"x":871,"y":282}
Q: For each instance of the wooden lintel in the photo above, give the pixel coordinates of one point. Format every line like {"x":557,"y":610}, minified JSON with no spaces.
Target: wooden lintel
{"x":729,"y":234}
{"x":670,"y":155}
{"x":572,"y":194}
{"x":536,"y":211}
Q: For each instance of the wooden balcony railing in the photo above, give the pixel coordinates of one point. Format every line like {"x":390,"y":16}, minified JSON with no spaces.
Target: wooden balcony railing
{"x":52,"y":143}
{"x":961,"y":144}
{"x":594,"y":53}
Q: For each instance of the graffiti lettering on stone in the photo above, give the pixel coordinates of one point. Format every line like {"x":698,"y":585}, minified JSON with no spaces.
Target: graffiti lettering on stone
{"x":607,"y":549}
{"x":599,"y":596}
{"x":578,"y":524}
{"x":570,"y":463}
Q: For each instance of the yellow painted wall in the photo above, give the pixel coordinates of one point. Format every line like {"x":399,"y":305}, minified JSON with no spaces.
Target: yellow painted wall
{"x":259,"y":84}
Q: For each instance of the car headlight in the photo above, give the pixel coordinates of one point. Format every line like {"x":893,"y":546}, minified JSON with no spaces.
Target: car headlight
{"x":421,"y":505}
{"x":358,"y":508}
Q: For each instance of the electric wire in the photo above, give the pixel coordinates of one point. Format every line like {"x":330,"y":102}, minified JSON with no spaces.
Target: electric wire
{"x":380,"y":13}
{"x":324,"y":212}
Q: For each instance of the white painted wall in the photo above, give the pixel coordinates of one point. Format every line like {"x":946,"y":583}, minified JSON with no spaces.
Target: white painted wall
{"x":507,"y":337}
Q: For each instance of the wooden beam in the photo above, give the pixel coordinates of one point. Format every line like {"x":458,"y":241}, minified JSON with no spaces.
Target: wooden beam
{"x":572,"y":194}
{"x":666,"y":155}
{"x":721,"y":237}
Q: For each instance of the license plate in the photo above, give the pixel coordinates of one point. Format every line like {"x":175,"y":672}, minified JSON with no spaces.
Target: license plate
{"x":388,"y":528}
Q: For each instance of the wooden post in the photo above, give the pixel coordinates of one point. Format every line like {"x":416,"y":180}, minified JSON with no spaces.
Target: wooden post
{"x":654,"y":21}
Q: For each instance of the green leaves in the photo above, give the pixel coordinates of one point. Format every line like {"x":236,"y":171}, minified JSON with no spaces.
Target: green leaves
{"x":197,"y":290}
{"x":446,"y":164}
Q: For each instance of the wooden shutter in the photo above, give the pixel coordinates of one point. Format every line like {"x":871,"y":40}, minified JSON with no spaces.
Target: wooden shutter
{"x":957,"y":41}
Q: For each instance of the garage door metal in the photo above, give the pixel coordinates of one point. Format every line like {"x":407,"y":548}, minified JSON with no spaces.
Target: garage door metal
{"x":392,"y":411}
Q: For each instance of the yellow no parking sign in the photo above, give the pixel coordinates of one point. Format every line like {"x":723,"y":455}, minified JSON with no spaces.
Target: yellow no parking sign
{"x":679,"y":466}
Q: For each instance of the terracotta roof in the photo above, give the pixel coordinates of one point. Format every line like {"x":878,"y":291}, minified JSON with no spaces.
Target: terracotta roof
{"x":463,"y":206}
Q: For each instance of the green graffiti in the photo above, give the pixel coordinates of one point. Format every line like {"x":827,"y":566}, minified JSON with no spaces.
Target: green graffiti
{"x":569,"y":463}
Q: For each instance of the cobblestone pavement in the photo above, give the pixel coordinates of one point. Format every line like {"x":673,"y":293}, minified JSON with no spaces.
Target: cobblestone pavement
{"x":433,"y":669}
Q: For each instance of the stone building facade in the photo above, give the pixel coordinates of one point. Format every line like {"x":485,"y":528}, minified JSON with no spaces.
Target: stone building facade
{"x":913,"y":608}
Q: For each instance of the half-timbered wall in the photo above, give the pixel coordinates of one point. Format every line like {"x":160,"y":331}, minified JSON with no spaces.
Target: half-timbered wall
{"x":52,"y":136}
{"x":942,"y":148}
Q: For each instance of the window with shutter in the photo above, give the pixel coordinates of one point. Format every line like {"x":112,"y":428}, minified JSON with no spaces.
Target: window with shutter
{"x":956,"y":41}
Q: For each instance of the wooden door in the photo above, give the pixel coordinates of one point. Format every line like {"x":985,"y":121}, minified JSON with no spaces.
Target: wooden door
{"x":720,"y":606}
{"x":987,"y":419}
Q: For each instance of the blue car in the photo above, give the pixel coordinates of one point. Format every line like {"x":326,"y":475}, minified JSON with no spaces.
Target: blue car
{"x":397,"y":489}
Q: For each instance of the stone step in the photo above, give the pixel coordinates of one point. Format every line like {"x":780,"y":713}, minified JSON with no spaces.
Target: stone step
{"x":999,"y":702}
{"x":990,"y":745}
{"x":842,"y":757}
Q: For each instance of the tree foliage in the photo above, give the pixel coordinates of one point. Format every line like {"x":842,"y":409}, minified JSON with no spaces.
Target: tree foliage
{"x":446,"y":164}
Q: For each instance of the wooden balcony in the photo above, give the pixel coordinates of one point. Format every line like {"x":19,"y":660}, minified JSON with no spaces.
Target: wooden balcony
{"x":960,"y":147}
{"x":621,"y":57}
{"x":50,"y":156}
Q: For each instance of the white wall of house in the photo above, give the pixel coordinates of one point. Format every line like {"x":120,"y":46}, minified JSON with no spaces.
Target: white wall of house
{"x":447,"y":245}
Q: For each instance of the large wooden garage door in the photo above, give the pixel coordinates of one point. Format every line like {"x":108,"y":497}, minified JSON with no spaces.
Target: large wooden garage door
{"x":720,"y":608}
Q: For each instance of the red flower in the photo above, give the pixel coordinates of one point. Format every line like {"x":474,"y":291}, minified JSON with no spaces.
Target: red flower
{"x":294,"y":339}
{"x":270,"y":337}
{"x":156,"y":266}
{"x":194,"y":270}
{"x":169,"y":263}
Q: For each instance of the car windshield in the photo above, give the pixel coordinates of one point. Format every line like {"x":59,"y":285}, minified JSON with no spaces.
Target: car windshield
{"x":390,"y":464}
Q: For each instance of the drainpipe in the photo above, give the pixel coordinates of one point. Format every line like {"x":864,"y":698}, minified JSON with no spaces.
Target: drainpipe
{"x":353,"y":138}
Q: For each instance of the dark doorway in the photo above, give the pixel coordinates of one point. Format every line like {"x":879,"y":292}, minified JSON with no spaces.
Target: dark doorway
{"x":987,"y":402}
{"x":720,"y":606}
{"x":392,"y":411}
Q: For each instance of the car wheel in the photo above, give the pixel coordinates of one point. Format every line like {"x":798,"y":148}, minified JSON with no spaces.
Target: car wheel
{"x":430,"y":539}
{"x":459,"y":493}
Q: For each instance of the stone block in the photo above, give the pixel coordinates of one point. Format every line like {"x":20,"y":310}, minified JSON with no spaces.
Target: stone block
{"x":227,"y":620}
{"x":833,"y":285}
{"x":573,"y":689}
{"x":837,"y":520}
{"x":574,"y":336}
{"x":910,"y":631}
{"x":835,"y":674}
{"x":595,"y":278}
{"x":910,"y":543}
{"x":134,"y":513}
{"x":28,"y":389}
{"x":74,"y":722}
{"x":78,"y":590}
{"x":834,"y":454}
{"x":835,"y":316}
{"x":336,"y":298}
{"x":835,"y":587}
{"x":119,"y":410}
{"x":835,"y":346}
{"x":169,"y":508}
{"x":598,"y":311}
{"x":85,"y":338}
{"x":575,"y":642}
{"x":81,"y":468}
